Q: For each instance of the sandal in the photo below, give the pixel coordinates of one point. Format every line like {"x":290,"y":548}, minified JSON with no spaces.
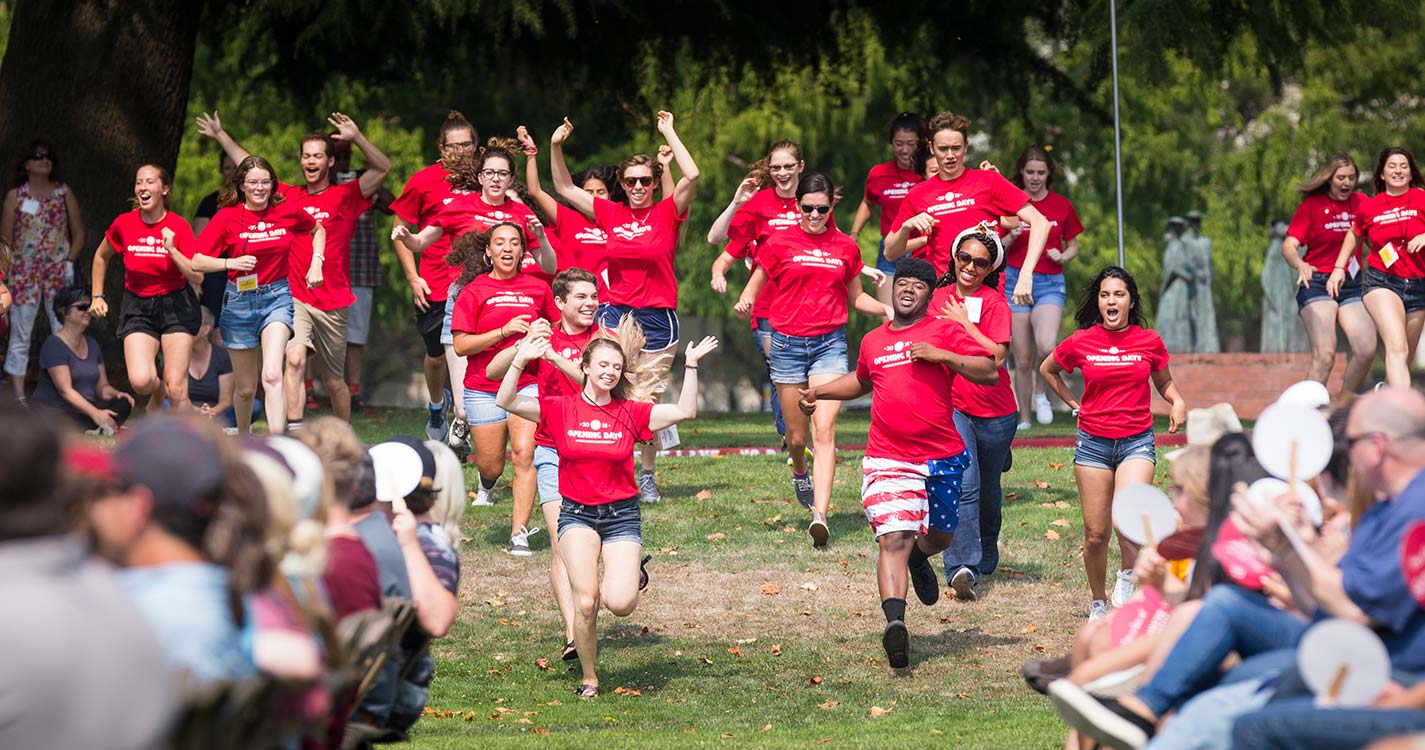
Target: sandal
{"x":586,"y":692}
{"x":570,"y":653}
{"x":643,"y":572}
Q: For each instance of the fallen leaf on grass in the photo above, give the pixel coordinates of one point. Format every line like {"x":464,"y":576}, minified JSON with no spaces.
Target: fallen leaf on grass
{"x":815,"y":680}
{"x":1051,"y":535}
{"x":705,"y":660}
{"x":823,"y":740}
{"x":809,"y":586}
{"x":630,"y":692}
{"x":806,"y":613}
{"x":703,"y":495}
{"x":1031,"y":628}
{"x":962,"y":696}
{"x":1046,"y":505}
{"x":776,"y":649}
{"x":1056,"y":465}
{"x":766,"y":728}
{"x":788,"y":530}
{"x":1012,"y":496}
{"x":773,"y":521}
{"x":495,"y":602}
{"x":543,"y":665}
{"x":771,"y":589}
{"x":1060,"y":504}
{"x":829,"y":704}
{"x":877,"y":712}
{"x":1059,"y":522}
{"x":1041,"y":484}
{"x":716,"y":536}
{"x":726,"y":735}
{"x":936,"y":731}
{"x":555,"y":703}
{"x":735,"y":651}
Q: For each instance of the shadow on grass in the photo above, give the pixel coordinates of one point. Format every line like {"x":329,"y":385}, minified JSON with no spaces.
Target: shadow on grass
{"x":949,"y":642}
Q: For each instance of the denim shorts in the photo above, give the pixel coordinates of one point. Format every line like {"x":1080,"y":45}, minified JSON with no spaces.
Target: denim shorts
{"x":796,"y":358}
{"x":764,"y":338}
{"x":446,"y":337}
{"x":660,"y":324}
{"x":1315,"y":291}
{"x":1108,"y":453}
{"x":546,"y":469}
{"x":480,"y":406}
{"x":618,"y":521}
{"x":1049,"y":289}
{"x":1410,"y":291}
{"x":887,"y":267}
{"x":247,"y":314}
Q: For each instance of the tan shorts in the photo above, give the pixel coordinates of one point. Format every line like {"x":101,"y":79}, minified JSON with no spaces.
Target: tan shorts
{"x":323,"y":332}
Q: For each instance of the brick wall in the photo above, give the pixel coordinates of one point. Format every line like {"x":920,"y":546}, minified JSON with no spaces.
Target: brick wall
{"x":1250,"y":382}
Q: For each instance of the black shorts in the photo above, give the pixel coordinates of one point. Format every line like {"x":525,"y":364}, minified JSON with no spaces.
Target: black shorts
{"x":1410,"y":291}
{"x":175,"y":312}
{"x":429,"y":323}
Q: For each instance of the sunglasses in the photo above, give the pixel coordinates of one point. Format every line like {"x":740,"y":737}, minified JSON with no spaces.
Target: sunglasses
{"x":39,"y":156}
{"x":643,"y":181}
{"x":77,"y":306}
{"x":979,"y":263}
{"x":823,"y":209}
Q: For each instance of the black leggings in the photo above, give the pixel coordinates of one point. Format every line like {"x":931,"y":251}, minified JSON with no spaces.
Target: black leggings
{"x":119,"y":406}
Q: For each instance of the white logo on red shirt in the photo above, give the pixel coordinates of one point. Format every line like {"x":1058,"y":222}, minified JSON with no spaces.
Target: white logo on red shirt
{"x":631,"y":231}
{"x":592,"y":236}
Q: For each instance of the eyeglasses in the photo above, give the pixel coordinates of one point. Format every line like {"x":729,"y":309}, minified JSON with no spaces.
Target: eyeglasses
{"x":645,"y":181}
{"x":257,"y":183}
{"x":462,"y":146}
{"x":979,"y":263}
{"x":782,"y":168}
{"x":822,"y":209}
{"x":496,"y":174}
{"x":1351,"y":440}
{"x":39,"y":156}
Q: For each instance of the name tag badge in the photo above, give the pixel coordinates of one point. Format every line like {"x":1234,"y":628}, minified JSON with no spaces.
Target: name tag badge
{"x":668,"y":437}
{"x":974,"y":306}
{"x":1388,"y":256}
{"x":30,"y":206}
{"x":1354,"y":267}
{"x":247,"y":283}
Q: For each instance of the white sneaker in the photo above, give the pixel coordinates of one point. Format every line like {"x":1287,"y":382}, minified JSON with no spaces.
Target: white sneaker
{"x":1043,"y":412}
{"x":1022,"y":426}
{"x":648,"y":488}
{"x":1123,"y":589}
{"x":519,"y":542}
{"x":1098,"y":609}
{"x":484,"y":498}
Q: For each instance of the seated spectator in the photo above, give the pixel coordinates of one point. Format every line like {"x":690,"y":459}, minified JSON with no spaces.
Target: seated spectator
{"x":73,"y":639}
{"x":72,"y":378}
{"x":187,"y":526}
{"x":210,"y":374}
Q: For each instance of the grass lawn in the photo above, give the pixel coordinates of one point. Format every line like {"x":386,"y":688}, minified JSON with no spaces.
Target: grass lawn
{"x":747,"y":636}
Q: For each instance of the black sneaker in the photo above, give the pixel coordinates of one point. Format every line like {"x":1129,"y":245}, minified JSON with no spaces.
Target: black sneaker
{"x":1103,"y":719}
{"x":896,"y":641}
{"x":643,"y":572}
{"x":927,"y":585}
{"x":1040,"y":672}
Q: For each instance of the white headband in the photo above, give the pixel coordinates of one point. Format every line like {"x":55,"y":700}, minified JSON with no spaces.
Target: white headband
{"x":984,"y":227}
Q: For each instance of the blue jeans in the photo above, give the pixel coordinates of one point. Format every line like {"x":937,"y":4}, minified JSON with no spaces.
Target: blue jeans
{"x":1232,"y":619}
{"x":763,"y":335}
{"x":1206,"y":720}
{"x":976,"y":542}
{"x":1299,"y":725}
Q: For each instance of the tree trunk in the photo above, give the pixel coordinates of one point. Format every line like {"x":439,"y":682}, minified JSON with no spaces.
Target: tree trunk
{"x":105,"y":81}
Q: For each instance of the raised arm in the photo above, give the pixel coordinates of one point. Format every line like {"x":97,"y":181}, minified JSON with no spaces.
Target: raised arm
{"x":717,"y":233}
{"x":436,"y":607}
{"x":688,"y":183}
{"x":378,"y":165}
{"x":543,"y":252}
{"x":559,"y":170}
{"x":545,"y":201}
{"x":665,"y":158}
{"x":667,"y":415}
{"x":414,"y":242}
{"x":508,"y":397}
{"x":212,"y":127}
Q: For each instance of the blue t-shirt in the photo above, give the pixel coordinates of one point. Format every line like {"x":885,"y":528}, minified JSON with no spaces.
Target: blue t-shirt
{"x":186,"y":604}
{"x":376,"y":534}
{"x":1372,"y":576}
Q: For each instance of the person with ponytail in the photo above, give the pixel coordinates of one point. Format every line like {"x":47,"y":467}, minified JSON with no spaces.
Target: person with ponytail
{"x":888,"y":184}
{"x":582,"y":244}
{"x":594,"y":433}
{"x":643,"y":239}
{"x":984,"y":414}
{"x":958,"y":198}
{"x":423,"y":197}
{"x":498,"y":303}
{"x":1036,"y":326}
{"x":817,"y":271}
{"x":1391,"y":225}
{"x":160,"y":312}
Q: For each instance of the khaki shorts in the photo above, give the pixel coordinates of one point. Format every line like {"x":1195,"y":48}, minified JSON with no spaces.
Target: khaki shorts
{"x":323,"y":332}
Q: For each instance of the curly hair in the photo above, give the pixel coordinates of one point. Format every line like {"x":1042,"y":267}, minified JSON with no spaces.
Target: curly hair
{"x":232,"y":194}
{"x":465,"y":168}
{"x":950,"y":121}
{"x":761,"y":170}
{"x":468,"y":251}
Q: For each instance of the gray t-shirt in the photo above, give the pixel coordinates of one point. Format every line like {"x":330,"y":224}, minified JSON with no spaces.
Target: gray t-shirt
{"x":83,"y":372}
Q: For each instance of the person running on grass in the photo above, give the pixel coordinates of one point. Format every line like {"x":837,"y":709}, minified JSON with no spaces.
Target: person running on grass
{"x":594,"y":433}
{"x":817,"y":271}
{"x":914,"y":459}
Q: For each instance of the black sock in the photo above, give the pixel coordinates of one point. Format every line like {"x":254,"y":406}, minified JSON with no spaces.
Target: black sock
{"x":917,"y":557}
{"x":894,"y":609}
{"x":488,"y":485}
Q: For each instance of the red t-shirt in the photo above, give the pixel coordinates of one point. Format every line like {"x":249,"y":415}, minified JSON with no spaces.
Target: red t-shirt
{"x":469,"y":212}
{"x":269,"y":234}
{"x":350,"y":576}
{"x":812,"y":273}
{"x":554,"y":383}
{"x":911,"y":402}
{"x":582,"y":245}
{"x":975,"y":196}
{"x":764,"y":214}
{"x":887,"y":186}
{"x":425,"y":193}
{"x":1393,"y":220}
{"x":1320,"y":225}
{"x":640,"y":252}
{"x":1063,"y":226}
{"x":1117,"y":368}
{"x":148,"y":271}
{"x":487,"y":303}
{"x":595,"y":445}
{"x":984,"y":401}
{"x":337,"y":208}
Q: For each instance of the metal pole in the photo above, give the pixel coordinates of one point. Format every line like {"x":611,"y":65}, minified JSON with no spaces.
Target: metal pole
{"x":1117,"y":137}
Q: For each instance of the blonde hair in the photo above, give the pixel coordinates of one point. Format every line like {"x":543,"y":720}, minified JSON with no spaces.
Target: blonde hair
{"x":340,"y":450}
{"x":299,"y":543}
{"x":1190,"y":472}
{"x":645,"y":374}
{"x":449,"y":503}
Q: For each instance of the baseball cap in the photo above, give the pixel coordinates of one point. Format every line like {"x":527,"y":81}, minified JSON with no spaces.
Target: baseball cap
{"x":178,"y":463}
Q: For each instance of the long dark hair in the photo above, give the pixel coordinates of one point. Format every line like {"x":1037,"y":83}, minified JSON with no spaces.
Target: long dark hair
{"x":1087,"y":314}
{"x":1230,"y":462}
{"x":468,"y":251}
{"x":1379,"y":178}
{"x":607,"y":174}
{"x":22,"y":176}
{"x":914,"y":123}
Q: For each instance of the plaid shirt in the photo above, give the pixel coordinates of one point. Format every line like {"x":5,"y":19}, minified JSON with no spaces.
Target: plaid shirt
{"x":365,"y":260}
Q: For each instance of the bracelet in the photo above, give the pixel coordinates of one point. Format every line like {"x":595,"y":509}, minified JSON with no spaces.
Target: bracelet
{"x":97,"y":296}
{"x":690,"y":367}
{"x":1340,"y":268}
{"x":225,"y":265}
{"x":517,"y":368}
{"x":531,"y":150}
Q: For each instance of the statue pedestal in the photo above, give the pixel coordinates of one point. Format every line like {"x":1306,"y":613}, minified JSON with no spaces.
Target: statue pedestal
{"x":1248,"y":381}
